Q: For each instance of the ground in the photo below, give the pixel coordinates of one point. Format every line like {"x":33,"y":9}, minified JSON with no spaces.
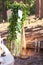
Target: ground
{"x":32,"y":60}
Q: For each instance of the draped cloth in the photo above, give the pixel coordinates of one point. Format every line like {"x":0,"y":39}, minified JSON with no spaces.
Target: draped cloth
{"x":8,"y":58}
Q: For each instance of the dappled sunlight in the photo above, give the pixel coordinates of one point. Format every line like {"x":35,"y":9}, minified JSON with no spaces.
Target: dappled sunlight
{"x":3,"y":26}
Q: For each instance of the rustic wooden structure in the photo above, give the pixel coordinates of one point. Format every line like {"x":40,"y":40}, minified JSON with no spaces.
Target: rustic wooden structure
{"x":39,"y":8}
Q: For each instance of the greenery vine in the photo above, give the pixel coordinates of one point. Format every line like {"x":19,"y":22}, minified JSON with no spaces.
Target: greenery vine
{"x":15,"y":27}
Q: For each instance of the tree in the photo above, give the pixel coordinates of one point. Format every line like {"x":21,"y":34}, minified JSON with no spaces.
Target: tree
{"x":4,"y":14}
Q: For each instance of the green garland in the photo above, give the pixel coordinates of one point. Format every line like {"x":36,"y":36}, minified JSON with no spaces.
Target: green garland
{"x":14,"y":24}
{"x":15,"y":27}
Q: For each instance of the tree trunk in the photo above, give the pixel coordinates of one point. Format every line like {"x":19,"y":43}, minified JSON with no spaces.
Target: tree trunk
{"x":4,"y":13}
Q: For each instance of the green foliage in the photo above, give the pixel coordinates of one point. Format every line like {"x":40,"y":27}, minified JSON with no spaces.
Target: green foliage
{"x":12,"y":28}
{"x":15,"y":27}
{"x":31,"y":4}
{"x":0,"y":5}
{"x":7,"y":4}
{"x":32,"y":9}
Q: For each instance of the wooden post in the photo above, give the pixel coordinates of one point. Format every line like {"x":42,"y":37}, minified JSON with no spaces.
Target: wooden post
{"x":35,"y":45}
{"x":24,"y":41}
{"x":38,"y":46}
